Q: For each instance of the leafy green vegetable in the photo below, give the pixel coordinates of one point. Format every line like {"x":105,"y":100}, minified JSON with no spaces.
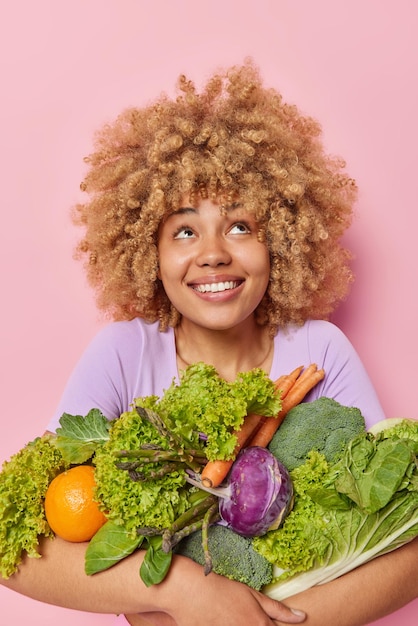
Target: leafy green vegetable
{"x":110,"y":544}
{"x":79,"y":436}
{"x":151,"y":502}
{"x":24,"y":480}
{"x":371,"y":473}
{"x":205,"y":403}
{"x":323,"y":425}
{"x":345,"y":513}
{"x":156,"y":562}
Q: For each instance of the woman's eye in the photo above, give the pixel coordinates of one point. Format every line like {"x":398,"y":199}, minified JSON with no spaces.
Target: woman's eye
{"x":183,"y":233}
{"x":240,"y":228}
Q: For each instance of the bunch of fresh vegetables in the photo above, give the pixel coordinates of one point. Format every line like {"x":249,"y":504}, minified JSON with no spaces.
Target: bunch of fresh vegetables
{"x":206,"y":472}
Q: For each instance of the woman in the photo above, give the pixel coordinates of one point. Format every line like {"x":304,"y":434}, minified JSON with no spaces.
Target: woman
{"x":212,"y":234}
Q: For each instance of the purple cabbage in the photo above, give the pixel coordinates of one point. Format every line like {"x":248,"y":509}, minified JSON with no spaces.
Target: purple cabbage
{"x":260,"y":493}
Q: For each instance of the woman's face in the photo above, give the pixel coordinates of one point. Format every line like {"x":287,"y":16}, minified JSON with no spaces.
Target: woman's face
{"x":213,"y":267}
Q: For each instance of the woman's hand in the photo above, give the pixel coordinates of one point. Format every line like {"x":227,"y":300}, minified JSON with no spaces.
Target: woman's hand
{"x":190,"y":597}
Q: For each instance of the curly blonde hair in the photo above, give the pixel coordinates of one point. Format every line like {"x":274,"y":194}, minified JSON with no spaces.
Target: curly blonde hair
{"x":234,"y":140}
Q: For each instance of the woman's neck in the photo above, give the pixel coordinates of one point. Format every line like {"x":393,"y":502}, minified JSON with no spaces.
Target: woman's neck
{"x":230,"y":351}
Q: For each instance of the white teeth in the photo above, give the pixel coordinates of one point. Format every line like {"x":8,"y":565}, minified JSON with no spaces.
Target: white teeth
{"x":214,"y":287}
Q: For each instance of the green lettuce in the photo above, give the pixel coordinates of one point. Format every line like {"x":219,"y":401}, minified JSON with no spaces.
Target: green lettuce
{"x":24,"y":480}
{"x":150,"y":502}
{"x":202,"y":403}
{"x":205,"y":403}
{"x":346,"y":513}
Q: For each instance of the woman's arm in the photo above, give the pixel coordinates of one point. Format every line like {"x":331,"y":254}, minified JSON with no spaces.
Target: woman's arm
{"x":186,"y":595}
{"x":366,"y":594}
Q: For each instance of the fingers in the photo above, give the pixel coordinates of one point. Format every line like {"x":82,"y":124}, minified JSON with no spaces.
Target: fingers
{"x":296,"y":616}
{"x":280,"y":612}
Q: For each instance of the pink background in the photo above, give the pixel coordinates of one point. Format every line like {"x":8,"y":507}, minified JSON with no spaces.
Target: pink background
{"x":66,"y":68}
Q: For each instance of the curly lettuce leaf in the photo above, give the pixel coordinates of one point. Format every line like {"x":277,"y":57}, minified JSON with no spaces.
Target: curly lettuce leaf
{"x":205,"y":403}
{"x":155,"y":502}
{"x":24,"y":480}
{"x":258,"y":392}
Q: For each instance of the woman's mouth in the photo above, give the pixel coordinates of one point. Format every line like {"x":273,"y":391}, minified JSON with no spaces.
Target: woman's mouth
{"x":216,"y":287}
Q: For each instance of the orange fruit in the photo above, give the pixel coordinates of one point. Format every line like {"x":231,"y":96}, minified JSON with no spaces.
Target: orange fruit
{"x":70,"y":508}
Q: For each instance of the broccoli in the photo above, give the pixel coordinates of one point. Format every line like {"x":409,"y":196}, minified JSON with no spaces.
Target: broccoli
{"x":323,"y":425}
{"x":233,"y":556}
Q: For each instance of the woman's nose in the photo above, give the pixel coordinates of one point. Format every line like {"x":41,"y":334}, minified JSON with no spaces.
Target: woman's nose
{"x":213,"y":251}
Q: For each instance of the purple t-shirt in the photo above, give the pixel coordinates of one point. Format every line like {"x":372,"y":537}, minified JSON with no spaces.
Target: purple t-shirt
{"x":130,"y":359}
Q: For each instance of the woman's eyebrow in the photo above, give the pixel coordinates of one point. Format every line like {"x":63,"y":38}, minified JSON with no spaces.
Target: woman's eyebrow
{"x":184,"y":210}
{"x":187,"y":210}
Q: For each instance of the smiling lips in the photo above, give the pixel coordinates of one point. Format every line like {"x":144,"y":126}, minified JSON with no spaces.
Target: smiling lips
{"x":216,"y":287}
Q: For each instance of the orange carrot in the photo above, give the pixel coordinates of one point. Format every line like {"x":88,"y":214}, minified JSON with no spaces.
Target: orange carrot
{"x":214,"y":472}
{"x":285,"y":383}
{"x":306,"y":381}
